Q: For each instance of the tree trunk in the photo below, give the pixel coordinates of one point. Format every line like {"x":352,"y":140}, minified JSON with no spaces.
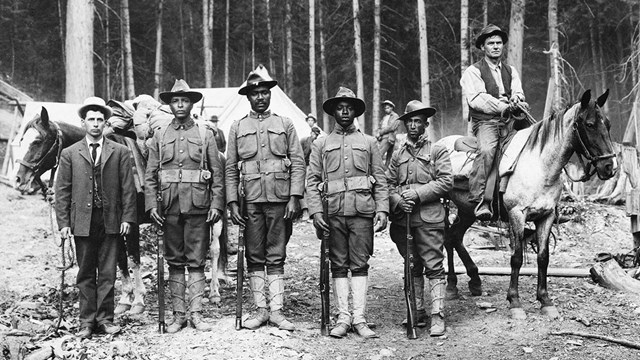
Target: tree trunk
{"x":312,"y":58}
{"x":253,"y":35}
{"x":601,"y":69}
{"x":375,"y":111}
{"x":207,"y":30}
{"x":516,"y":35}
{"x":554,"y":61}
{"x":226,"y":47}
{"x":464,"y":57}
{"x":79,"y":51}
{"x":289,"y":52}
{"x":61,"y":27}
{"x":357,"y":46}
{"x":157,"y":76}
{"x":128,"y":58}
{"x":272,"y":65}
{"x":424,"y":64}
{"x":107,"y":57}
{"x":610,"y":275}
{"x":485,"y":13}
{"x":323,"y":71}
{"x":182,"y":40}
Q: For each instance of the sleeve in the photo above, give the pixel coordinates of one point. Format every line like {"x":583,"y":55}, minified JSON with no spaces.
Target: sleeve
{"x":128,"y":192}
{"x":443,"y":182}
{"x":63,"y":190}
{"x":217,"y":173}
{"x":380,"y":190}
{"x":392,"y":183}
{"x":516,"y":84}
{"x":232,"y":175}
{"x":298,"y":165}
{"x":392,"y":125}
{"x":314,"y":177}
{"x":151,"y":174}
{"x":474,"y":91}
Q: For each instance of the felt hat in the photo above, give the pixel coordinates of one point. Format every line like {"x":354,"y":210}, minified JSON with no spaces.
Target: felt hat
{"x":214,"y":118}
{"x":344,"y":94}
{"x":388,"y":102}
{"x":489,"y":31}
{"x":311,"y":116}
{"x":96,"y":104}
{"x":180,"y":88}
{"x":254,"y":80}
{"x":416,"y":107}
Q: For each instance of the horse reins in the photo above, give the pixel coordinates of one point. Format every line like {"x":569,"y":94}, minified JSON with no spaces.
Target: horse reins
{"x":584,"y":151}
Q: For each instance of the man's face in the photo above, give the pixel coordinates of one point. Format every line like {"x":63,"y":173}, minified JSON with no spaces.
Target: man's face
{"x":259,"y":98}
{"x":387,"y":109}
{"x":344,"y":113}
{"x":415,"y":126}
{"x":94,"y":123}
{"x":311,"y":121}
{"x":493,"y":47}
{"x":214,"y":125}
{"x":181,"y":107}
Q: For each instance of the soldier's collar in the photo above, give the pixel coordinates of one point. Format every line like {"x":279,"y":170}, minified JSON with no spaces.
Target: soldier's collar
{"x":256,"y":115}
{"x":187,"y":124}
{"x":350,"y":129}
{"x":423,"y":139}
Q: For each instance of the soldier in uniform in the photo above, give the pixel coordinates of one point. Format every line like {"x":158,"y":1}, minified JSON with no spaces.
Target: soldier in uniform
{"x":346,"y":168}
{"x":418,"y":176}
{"x":265,"y":169}
{"x":184,"y":165}
{"x":386,"y":133}
{"x":219,"y":134}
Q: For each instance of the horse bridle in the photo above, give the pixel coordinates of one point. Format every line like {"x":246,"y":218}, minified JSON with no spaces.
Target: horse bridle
{"x":584,"y":151}
{"x":56,"y":148}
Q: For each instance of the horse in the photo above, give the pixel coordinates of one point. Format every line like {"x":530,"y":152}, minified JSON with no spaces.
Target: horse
{"x":532,"y":193}
{"x":46,"y":139}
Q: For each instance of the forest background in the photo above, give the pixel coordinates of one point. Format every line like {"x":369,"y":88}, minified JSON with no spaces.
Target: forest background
{"x":215,"y":43}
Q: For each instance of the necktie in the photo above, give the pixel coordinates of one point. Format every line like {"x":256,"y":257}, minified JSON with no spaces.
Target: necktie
{"x":94,"y":152}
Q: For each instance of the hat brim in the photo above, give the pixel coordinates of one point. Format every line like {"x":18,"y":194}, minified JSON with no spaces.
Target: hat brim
{"x":194,"y":96}
{"x":388,"y":103}
{"x":104,"y":109}
{"x":480,"y":40}
{"x":245,"y":89}
{"x":428,"y":112}
{"x":330,"y":104}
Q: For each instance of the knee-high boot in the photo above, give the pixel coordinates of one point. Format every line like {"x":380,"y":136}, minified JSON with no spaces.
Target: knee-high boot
{"x":260,"y":317}
{"x":341,"y":301}
{"x":196,"y":293}
{"x":276,"y":302}
{"x":177,"y":289}
{"x":359,"y":291}
{"x":437,"y":307}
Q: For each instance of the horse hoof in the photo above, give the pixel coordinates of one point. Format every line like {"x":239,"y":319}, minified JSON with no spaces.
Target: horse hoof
{"x":121,"y":309}
{"x":137,"y":309}
{"x":518,"y":314}
{"x":475,"y":287}
{"x":550,"y":311}
{"x":452,"y":293}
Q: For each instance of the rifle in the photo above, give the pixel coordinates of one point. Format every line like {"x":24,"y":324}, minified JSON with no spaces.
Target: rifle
{"x":240,"y":267}
{"x":160,"y":264}
{"x":409,"y":285}
{"x":325,"y":319}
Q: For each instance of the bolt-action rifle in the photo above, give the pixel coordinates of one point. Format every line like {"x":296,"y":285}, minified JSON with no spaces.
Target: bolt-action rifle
{"x":409,"y":284}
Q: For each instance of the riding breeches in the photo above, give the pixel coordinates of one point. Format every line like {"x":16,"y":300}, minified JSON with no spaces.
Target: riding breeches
{"x":351,"y":245}
{"x":428,"y":244}
{"x":266,"y":236}
{"x":186,"y":240}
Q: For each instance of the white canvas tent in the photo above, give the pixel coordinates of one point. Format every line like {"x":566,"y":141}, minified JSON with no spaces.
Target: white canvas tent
{"x":229,"y":106}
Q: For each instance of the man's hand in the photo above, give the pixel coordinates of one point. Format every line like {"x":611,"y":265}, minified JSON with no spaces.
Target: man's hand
{"x":319,"y":223}
{"x":236,"y":217}
{"x":65,"y":232}
{"x":125,"y":228}
{"x":513,"y":102}
{"x":406,"y":205}
{"x":214,"y":216}
{"x":293,"y":208}
{"x":155,"y":216}
{"x":410,"y":194}
{"x":380,"y":221}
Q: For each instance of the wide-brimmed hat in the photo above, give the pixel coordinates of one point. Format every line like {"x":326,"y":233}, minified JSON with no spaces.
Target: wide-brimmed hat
{"x":254,"y":80}
{"x":96,"y":104}
{"x":388,"y":102}
{"x":213,"y":118}
{"x":180,"y":88}
{"x":311,"y":116}
{"x":489,"y":31}
{"x":344,"y":94}
{"x":416,"y":107}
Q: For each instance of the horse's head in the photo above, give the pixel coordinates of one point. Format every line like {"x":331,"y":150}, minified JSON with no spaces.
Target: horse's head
{"x":592,"y":138}
{"x":43,"y":139}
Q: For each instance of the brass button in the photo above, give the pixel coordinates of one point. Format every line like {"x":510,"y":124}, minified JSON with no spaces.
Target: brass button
{"x":181,"y":151}
{"x":262,"y":145}
{"x":267,"y":173}
{"x":261,"y":131}
{"x":180,"y":164}
{"x":182,"y":138}
{"x":90,"y":191}
{"x":346,"y":158}
{"x":89,"y":205}
{"x":346,"y":171}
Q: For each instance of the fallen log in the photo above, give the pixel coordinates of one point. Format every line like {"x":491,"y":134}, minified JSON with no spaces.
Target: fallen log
{"x":506,"y":271}
{"x":609,"y":274}
{"x":623,"y":342}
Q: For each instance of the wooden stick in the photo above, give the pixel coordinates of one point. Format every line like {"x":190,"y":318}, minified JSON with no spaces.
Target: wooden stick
{"x":506,"y":271}
{"x":623,"y":342}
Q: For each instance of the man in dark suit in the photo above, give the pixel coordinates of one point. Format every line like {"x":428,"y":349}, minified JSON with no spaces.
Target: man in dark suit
{"x":95,"y":203}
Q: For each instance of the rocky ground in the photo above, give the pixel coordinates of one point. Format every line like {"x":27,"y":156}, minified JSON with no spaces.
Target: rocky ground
{"x":477,"y":327}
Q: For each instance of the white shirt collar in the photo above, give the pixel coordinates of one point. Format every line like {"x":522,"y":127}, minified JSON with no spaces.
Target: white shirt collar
{"x":99,"y":142}
{"x":493,"y":66}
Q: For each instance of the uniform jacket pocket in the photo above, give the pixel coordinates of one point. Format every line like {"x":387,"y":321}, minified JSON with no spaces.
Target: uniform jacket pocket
{"x":252,"y":186}
{"x":278,"y":141}
{"x":247,"y":143}
{"x":282,"y":185}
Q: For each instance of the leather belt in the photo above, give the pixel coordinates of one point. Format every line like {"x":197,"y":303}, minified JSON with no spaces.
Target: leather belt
{"x":181,"y":175}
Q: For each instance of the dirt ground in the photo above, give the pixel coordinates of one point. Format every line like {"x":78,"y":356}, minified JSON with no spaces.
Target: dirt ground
{"x":477,"y":327}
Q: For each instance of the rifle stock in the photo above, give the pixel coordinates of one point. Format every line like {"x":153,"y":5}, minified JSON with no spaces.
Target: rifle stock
{"x":240,"y":269}
{"x":325,"y":319}
{"x":160,"y":266}
{"x":409,"y":284}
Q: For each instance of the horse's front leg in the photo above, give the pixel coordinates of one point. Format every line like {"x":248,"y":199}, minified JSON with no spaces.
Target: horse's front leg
{"x":516,"y":220}
{"x":126,"y":297}
{"x":543,"y":229}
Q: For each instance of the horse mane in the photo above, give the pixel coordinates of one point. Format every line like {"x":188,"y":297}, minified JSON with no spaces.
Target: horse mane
{"x":545,"y":130}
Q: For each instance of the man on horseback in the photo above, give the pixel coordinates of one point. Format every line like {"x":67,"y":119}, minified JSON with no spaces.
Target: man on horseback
{"x":185,"y":167}
{"x":346,"y":169}
{"x":265,"y":170}
{"x":95,"y":202}
{"x":492,"y":89}
{"x":418,"y":176}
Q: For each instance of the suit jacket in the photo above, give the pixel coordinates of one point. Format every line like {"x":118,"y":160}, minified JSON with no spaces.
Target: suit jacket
{"x":74,"y":186}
